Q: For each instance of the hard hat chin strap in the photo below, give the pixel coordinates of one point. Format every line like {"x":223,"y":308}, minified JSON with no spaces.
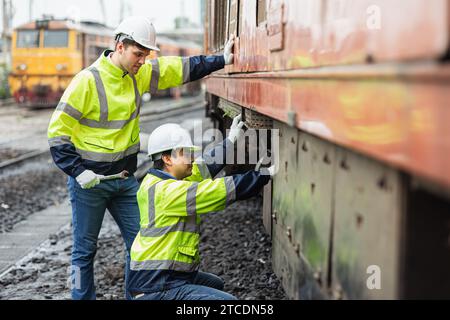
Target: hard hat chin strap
{"x":122,"y":36}
{"x":156,"y":157}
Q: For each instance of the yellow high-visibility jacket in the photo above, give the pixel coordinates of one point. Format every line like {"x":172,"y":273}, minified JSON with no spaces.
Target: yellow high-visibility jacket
{"x":165,"y":253}
{"x":96,"y":124}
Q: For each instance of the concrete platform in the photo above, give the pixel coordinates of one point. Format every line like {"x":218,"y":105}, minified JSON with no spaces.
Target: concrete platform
{"x":29,"y":234}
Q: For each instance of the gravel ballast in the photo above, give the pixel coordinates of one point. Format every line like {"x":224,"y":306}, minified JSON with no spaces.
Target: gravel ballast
{"x":233,"y":246}
{"x":29,"y":189}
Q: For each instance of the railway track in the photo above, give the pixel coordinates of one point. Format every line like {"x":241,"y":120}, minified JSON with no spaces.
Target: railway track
{"x":52,"y":257}
{"x":20,"y":160}
{"x":31,"y":183}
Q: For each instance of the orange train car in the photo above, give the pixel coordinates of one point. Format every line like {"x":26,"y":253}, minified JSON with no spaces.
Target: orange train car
{"x":47,"y":54}
{"x":357,"y":93}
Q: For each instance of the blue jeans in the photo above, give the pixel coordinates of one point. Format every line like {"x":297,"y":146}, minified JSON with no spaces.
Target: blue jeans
{"x":88,"y":210}
{"x":206,"y":286}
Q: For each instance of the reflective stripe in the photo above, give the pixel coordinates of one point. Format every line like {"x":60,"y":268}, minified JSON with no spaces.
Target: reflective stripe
{"x":155,"y":76}
{"x":59,"y":141}
{"x":69,"y":110}
{"x":178,"y":227}
{"x":104,"y":123}
{"x":137,"y":95}
{"x":191,"y":200}
{"x":108,"y":157}
{"x":189,"y":225}
{"x":101,"y":95}
{"x":186,"y":69}
{"x":114,"y":124}
{"x":163,"y":265}
{"x":151,"y":206}
{"x":231,"y":190}
{"x":203,"y":168}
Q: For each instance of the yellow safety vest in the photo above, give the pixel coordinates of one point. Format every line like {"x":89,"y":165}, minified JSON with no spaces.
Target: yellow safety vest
{"x":99,"y":112}
{"x":170,"y":217}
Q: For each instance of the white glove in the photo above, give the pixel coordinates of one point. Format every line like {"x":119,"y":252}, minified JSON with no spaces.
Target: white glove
{"x":228,"y":51}
{"x":271,"y":171}
{"x":88,"y":179}
{"x":236,"y":131}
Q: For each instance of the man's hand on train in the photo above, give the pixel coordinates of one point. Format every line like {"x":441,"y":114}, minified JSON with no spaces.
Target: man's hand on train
{"x":228,"y":51}
{"x":236,"y":130}
{"x":88,"y":179}
{"x":271,"y":171}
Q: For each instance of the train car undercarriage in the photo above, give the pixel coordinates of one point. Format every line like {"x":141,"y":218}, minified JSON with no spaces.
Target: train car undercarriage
{"x":345,"y":225}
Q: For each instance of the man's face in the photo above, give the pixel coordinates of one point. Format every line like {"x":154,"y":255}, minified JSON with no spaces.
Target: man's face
{"x":132,"y":57}
{"x":181,"y":163}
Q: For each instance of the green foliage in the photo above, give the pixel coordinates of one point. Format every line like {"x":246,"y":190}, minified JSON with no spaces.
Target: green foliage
{"x":4,"y":86}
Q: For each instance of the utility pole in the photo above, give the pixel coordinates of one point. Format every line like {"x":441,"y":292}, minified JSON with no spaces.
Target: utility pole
{"x":182,"y":13}
{"x":7,"y":17}
{"x":103,"y":9}
{"x":30,"y":10}
{"x":202,"y":13}
{"x":121,"y":11}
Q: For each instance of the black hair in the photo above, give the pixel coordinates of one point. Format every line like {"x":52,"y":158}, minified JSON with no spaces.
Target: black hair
{"x":159,"y":164}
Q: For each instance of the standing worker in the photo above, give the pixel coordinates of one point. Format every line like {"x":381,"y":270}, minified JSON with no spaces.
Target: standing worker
{"x":94,"y":132}
{"x":173,"y":196}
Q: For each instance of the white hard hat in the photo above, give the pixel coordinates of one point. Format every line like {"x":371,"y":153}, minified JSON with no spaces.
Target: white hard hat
{"x":140,"y":30}
{"x":169,"y":137}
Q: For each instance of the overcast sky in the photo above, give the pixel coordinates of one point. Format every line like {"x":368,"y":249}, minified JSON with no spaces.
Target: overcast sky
{"x":163,"y":12}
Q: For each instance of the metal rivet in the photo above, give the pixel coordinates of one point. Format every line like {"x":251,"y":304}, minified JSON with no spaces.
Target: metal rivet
{"x":289,"y":233}
{"x":297,"y":249}
{"x":359,"y":220}
{"x":383,"y":183}
{"x":305,"y":146}
{"x":344,"y":165}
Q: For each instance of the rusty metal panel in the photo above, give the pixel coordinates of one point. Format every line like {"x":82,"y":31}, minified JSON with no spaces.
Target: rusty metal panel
{"x":315,"y":202}
{"x":261,"y":11}
{"x":234,"y":17}
{"x":368,"y":222}
{"x":367,"y":30}
{"x":311,"y":33}
{"x":423,"y":34}
{"x":241,"y":16}
{"x":267,"y":208}
{"x":400,"y":122}
{"x":275,"y":25}
{"x":292,"y":268}
{"x":302,"y":207}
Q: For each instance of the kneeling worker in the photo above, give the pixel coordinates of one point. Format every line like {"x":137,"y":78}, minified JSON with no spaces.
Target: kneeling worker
{"x":173,"y":196}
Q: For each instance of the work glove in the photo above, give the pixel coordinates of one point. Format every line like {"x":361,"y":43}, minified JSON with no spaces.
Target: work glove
{"x":271,"y":171}
{"x":228,"y":51}
{"x":88,"y":179}
{"x":236,"y":130}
